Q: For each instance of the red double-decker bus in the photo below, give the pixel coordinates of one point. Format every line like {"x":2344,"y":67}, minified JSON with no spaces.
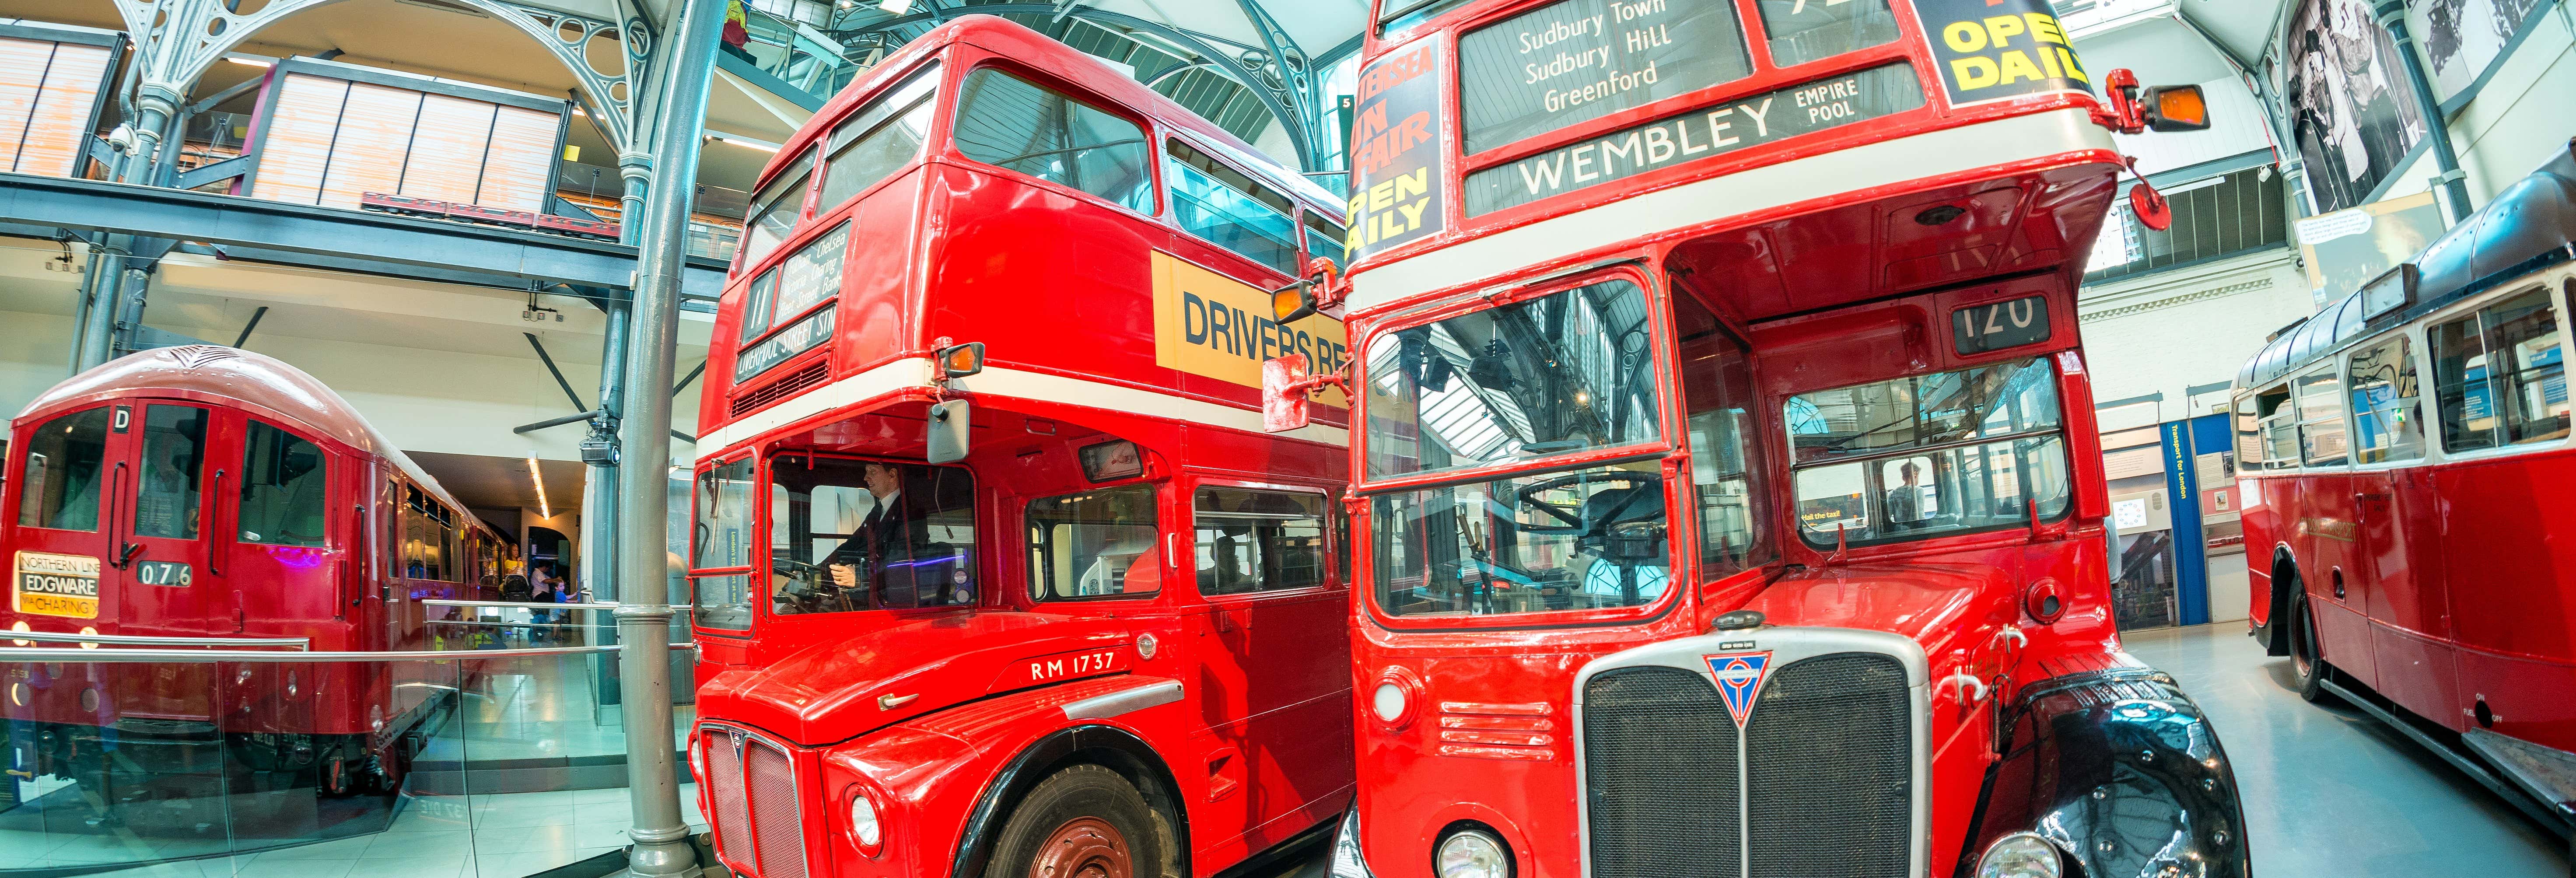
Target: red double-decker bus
{"x":996,"y":572}
{"x":2403,"y":453}
{"x":1728,"y":500}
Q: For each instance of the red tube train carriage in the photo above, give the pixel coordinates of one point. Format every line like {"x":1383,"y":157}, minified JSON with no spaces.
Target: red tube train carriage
{"x":2400,"y":457}
{"x":996,"y":572}
{"x":1728,"y":497}
{"x":210,"y":492}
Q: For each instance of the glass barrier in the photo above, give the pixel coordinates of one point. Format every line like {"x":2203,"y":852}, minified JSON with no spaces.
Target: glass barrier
{"x":488,"y":763}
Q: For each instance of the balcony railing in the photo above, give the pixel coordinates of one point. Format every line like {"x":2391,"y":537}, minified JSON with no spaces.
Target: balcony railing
{"x":2214,"y":218}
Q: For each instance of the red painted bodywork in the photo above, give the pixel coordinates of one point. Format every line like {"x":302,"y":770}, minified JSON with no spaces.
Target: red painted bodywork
{"x":2446,"y":602}
{"x":343,"y":596}
{"x":1837,"y":289}
{"x":925,"y":708}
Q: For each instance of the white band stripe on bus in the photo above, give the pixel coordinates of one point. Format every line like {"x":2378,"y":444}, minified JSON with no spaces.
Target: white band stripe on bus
{"x":998,"y":381}
{"x":1887,"y":162}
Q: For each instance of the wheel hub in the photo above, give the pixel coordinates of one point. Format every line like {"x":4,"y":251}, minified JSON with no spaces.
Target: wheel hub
{"x":1084,"y":847}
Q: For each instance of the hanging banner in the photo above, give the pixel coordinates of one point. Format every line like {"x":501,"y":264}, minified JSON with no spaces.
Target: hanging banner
{"x":1990,"y":50}
{"x":1396,"y":168}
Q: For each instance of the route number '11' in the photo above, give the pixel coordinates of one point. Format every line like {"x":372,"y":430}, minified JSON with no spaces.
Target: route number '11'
{"x":1997,"y":325}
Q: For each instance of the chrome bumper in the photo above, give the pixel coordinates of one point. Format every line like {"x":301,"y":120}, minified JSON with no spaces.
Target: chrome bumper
{"x":1347,"y":862}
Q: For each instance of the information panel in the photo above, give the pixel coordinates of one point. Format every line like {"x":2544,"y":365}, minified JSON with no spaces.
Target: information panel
{"x":1397,"y":178}
{"x":1696,"y":134}
{"x":1989,"y":50}
{"x":1578,"y":60}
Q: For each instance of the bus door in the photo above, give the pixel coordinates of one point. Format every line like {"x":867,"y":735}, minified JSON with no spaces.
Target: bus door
{"x":1281,"y":645}
{"x":2411,"y":630}
{"x":66,"y":538}
{"x":2327,"y":527}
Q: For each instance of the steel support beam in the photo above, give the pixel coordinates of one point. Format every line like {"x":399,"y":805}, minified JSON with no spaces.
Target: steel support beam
{"x":661,"y":846}
{"x":331,"y":237}
{"x":2452,"y":181}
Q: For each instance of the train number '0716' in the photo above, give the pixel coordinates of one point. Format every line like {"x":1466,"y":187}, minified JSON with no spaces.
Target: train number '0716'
{"x":1067,"y":665}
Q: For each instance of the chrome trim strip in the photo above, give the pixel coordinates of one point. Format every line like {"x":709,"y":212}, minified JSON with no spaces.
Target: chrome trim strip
{"x":1124,"y":701}
{"x":1347,"y":861}
{"x":1787,"y":645}
{"x":215,"y":656}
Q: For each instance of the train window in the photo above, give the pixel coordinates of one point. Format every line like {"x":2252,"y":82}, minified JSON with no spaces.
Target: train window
{"x":60,"y":486}
{"x":1727,"y":476}
{"x":775,"y":210}
{"x":1007,"y":122}
{"x":1805,"y":30}
{"x":847,"y":535}
{"x":1324,"y":239}
{"x":165,"y":497}
{"x":282,"y":479}
{"x":2280,"y":422}
{"x":879,"y":140}
{"x":721,"y":539}
{"x":1095,"y":544}
{"x":1252,"y":541}
{"x":2321,"y":432}
{"x":1230,"y":209}
{"x":2500,"y":375}
{"x":2386,"y":422}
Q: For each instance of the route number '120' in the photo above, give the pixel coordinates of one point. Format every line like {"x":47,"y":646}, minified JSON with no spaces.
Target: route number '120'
{"x":1994,"y":326}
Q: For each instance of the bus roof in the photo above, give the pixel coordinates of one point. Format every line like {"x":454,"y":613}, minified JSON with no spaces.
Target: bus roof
{"x":235,"y":374}
{"x":2529,"y":226}
{"x":1010,"y":39}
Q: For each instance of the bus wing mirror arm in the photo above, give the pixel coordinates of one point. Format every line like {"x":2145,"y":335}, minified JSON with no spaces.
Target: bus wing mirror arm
{"x":1285,"y":385}
{"x":1322,"y":287}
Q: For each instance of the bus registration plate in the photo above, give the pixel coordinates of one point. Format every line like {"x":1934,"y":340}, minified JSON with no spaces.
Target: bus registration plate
{"x":1068,"y":665}
{"x":56,"y":585}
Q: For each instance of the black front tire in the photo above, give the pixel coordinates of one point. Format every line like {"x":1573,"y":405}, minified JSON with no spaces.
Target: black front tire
{"x":2307,"y":654}
{"x":1055,"y":816}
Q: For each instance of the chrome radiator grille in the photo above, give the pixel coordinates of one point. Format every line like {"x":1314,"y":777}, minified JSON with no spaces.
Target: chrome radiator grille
{"x":1819,"y":782}
{"x":759,"y":819}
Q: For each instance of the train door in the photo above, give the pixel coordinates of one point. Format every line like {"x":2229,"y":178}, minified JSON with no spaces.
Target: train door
{"x":1280,"y":622}
{"x":168,"y":582}
{"x":64,"y":467}
{"x":277,"y":548}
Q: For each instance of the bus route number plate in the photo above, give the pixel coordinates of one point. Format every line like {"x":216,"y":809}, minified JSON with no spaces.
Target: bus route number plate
{"x":56,"y":585}
{"x":1994,"y":326}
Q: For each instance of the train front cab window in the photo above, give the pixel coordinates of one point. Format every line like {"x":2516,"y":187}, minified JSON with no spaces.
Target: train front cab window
{"x":64,"y":462}
{"x":1955,"y":452}
{"x":283,"y":478}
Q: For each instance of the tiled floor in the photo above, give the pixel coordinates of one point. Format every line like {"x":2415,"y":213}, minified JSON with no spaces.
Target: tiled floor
{"x":498,"y":836}
{"x":2330,"y":791}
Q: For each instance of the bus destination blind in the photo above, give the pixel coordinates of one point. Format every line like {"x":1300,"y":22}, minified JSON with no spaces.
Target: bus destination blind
{"x":1578,"y":60}
{"x":1746,"y":122}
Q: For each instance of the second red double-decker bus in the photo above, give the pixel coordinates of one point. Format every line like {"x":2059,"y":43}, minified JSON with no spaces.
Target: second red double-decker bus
{"x":2403,"y":453}
{"x":996,"y":572}
{"x":1728,"y":497}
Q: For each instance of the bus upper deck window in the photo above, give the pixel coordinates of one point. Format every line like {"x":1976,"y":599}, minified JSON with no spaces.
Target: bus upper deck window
{"x":1805,"y":30}
{"x":60,"y":488}
{"x":775,"y":210}
{"x":879,"y":140}
{"x":1230,"y":209}
{"x":1008,"y":122}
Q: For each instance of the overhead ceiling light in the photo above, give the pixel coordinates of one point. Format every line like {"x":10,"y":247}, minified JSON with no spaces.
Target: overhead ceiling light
{"x":897,"y":7}
{"x":746,"y":143}
{"x":254,"y":62}
{"x":538,"y":478}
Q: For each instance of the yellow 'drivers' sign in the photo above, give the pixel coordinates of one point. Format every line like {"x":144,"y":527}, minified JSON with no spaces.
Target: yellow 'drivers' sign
{"x":1209,"y":324}
{"x":56,"y":585}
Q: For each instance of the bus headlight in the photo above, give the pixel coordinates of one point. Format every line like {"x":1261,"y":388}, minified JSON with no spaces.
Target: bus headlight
{"x":2019,"y":855}
{"x":1472,"y":853}
{"x":864,"y":828}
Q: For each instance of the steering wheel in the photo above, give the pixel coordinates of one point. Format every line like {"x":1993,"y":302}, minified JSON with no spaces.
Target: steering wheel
{"x":817,"y":591}
{"x":1572,"y":515}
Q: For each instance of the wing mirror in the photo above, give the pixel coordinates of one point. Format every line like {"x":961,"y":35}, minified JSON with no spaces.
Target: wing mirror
{"x":1285,"y":384}
{"x":1321,"y":288}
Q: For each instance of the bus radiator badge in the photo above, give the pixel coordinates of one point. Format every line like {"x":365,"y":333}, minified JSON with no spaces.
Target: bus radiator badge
{"x":1739,"y":679}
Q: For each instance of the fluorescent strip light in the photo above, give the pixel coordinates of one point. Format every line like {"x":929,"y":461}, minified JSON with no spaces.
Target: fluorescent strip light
{"x":254,"y":62}
{"x":897,"y":7}
{"x":537,"y":477}
{"x":746,"y":144}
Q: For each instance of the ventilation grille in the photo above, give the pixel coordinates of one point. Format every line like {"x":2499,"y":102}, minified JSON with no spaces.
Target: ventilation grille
{"x":1829,"y":762}
{"x":778,"y":822}
{"x":733,"y":809}
{"x":199,"y":356}
{"x":796,"y":382}
{"x":1660,"y":770}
